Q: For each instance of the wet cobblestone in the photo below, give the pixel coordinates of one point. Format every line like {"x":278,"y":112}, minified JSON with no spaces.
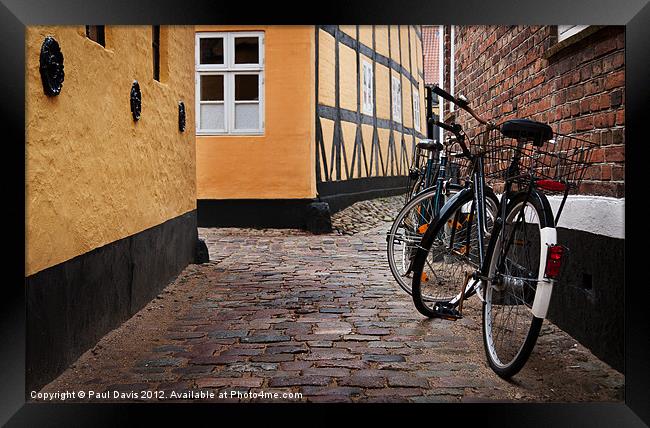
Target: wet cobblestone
{"x":320,"y":315}
{"x":365,"y":215}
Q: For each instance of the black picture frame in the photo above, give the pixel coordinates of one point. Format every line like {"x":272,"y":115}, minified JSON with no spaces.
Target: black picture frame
{"x":16,"y":14}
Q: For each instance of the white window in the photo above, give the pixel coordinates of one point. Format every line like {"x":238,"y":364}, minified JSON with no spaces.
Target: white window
{"x":566,"y":31}
{"x":416,"y":108}
{"x":397,"y":99}
{"x":229,"y":83}
{"x":367,"y":87}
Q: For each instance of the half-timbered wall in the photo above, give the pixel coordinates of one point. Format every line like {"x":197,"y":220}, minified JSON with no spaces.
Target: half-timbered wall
{"x":366,"y":152}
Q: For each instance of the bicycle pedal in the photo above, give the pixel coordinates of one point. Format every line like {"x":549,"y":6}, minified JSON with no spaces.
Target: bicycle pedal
{"x":448,"y":313}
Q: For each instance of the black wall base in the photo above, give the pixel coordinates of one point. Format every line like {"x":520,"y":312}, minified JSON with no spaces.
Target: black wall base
{"x":587,"y":302}
{"x":305,"y":214}
{"x":340,"y":194}
{"x":70,"y":306}
{"x":308,"y":214}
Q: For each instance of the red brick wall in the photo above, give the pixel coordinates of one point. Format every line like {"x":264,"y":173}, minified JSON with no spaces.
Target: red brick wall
{"x":506,"y":73}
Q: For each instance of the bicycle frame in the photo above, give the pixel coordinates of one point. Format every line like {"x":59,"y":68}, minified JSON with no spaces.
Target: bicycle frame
{"x":544,"y":285}
{"x":477,"y":185}
{"x":430,"y":177}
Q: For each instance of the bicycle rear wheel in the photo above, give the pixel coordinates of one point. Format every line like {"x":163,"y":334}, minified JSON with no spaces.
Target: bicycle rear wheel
{"x":510,"y":329}
{"x":411,"y":223}
{"x":449,"y":252}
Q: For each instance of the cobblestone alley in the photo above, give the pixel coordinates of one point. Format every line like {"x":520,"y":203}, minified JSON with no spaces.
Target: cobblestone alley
{"x":320,"y":315}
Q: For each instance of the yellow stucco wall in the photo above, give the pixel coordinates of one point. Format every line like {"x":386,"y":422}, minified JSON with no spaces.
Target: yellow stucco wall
{"x":93,"y":175}
{"x":349,"y":131}
{"x":348,"y":77}
{"x":326,"y":69}
{"x":327,"y":127}
{"x":382,"y":98}
{"x":415,"y":42}
{"x":350,"y":30}
{"x":366,"y":131}
{"x":394,"y":42}
{"x":404,"y":46}
{"x":280,"y":163}
{"x":365,"y":35}
{"x":381,"y":39}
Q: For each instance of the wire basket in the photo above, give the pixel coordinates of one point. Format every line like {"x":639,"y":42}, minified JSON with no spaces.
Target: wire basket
{"x":459,"y":168}
{"x":557,"y":166}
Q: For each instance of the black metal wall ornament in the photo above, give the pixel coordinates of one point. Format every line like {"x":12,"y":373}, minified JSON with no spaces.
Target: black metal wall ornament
{"x":51,"y":67}
{"x":181,"y":116}
{"x":136,"y":100}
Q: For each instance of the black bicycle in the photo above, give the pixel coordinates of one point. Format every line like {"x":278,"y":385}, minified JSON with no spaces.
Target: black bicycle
{"x":433,"y":179}
{"x":511,"y":259}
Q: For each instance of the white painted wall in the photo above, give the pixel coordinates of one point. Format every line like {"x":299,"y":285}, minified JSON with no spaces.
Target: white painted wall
{"x":599,"y":215}
{"x":594,"y":214}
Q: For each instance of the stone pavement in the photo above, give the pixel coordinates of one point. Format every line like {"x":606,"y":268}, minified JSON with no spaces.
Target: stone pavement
{"x":319,"y":317}
{"x":364,"y":215}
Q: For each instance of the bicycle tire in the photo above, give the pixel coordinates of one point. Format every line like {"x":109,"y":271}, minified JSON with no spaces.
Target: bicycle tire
{"x":443,"y":256}
{"x":512,"y":284}
{"x":400,"y":231}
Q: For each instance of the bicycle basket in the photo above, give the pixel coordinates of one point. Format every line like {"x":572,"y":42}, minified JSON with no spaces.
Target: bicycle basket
{"x":558,"y":165}
{"x":458,"y":167}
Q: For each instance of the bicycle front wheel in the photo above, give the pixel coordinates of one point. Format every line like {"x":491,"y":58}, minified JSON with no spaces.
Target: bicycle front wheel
{"x":510,"y":329}
{"x":406,"y":232}
{"x":449,"y":252}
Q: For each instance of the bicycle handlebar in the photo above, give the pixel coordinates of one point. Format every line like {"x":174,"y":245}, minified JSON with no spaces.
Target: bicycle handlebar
{"x":462,"y":103}
{"x":456,"y":130}
{"x":444,"y":94}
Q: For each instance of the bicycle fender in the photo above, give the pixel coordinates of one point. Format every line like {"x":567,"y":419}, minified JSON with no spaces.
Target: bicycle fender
{"x":548,"y":237}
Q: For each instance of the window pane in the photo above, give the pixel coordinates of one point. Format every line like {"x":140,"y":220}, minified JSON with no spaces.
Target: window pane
{"x":211,"y":50}
{"x":247,"y":116}
{"x":246,"y":87}
{"x":96,"y":33}
{"x":247,"y":50}
{"x":212,"y":116}
{"x":212,"y":88}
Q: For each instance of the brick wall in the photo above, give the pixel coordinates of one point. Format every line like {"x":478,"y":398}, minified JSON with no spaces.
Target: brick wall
{"x":519,"y":72}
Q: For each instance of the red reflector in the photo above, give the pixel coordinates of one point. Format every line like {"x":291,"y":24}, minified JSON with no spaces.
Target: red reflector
{"x":551,"y":185}
{"x":554,"y":261}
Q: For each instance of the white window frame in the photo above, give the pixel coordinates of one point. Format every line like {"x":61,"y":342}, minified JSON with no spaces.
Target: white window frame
{"x":397,"y":98}
{"x":416,"y":108}
{"x":566,"y":31}
{"x":229,"y":69}
{"x":367,"y":103}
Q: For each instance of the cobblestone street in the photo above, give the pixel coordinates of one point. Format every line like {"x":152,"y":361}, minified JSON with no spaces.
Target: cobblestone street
{"x":288,"y":311}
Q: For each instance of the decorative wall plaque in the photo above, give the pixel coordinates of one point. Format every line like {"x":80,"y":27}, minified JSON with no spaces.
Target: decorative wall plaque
{"x":181,"y":116}
{"x":51,"y":67}
{"x":136,"y":100}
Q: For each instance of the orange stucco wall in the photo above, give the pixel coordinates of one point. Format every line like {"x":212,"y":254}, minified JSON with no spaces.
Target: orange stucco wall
{"x":280,"y":163}
{"x":93,"y":175}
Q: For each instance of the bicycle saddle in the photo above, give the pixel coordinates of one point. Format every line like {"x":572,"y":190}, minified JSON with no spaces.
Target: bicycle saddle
{"x":527,"y":130}
{"x":429,"y":145}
